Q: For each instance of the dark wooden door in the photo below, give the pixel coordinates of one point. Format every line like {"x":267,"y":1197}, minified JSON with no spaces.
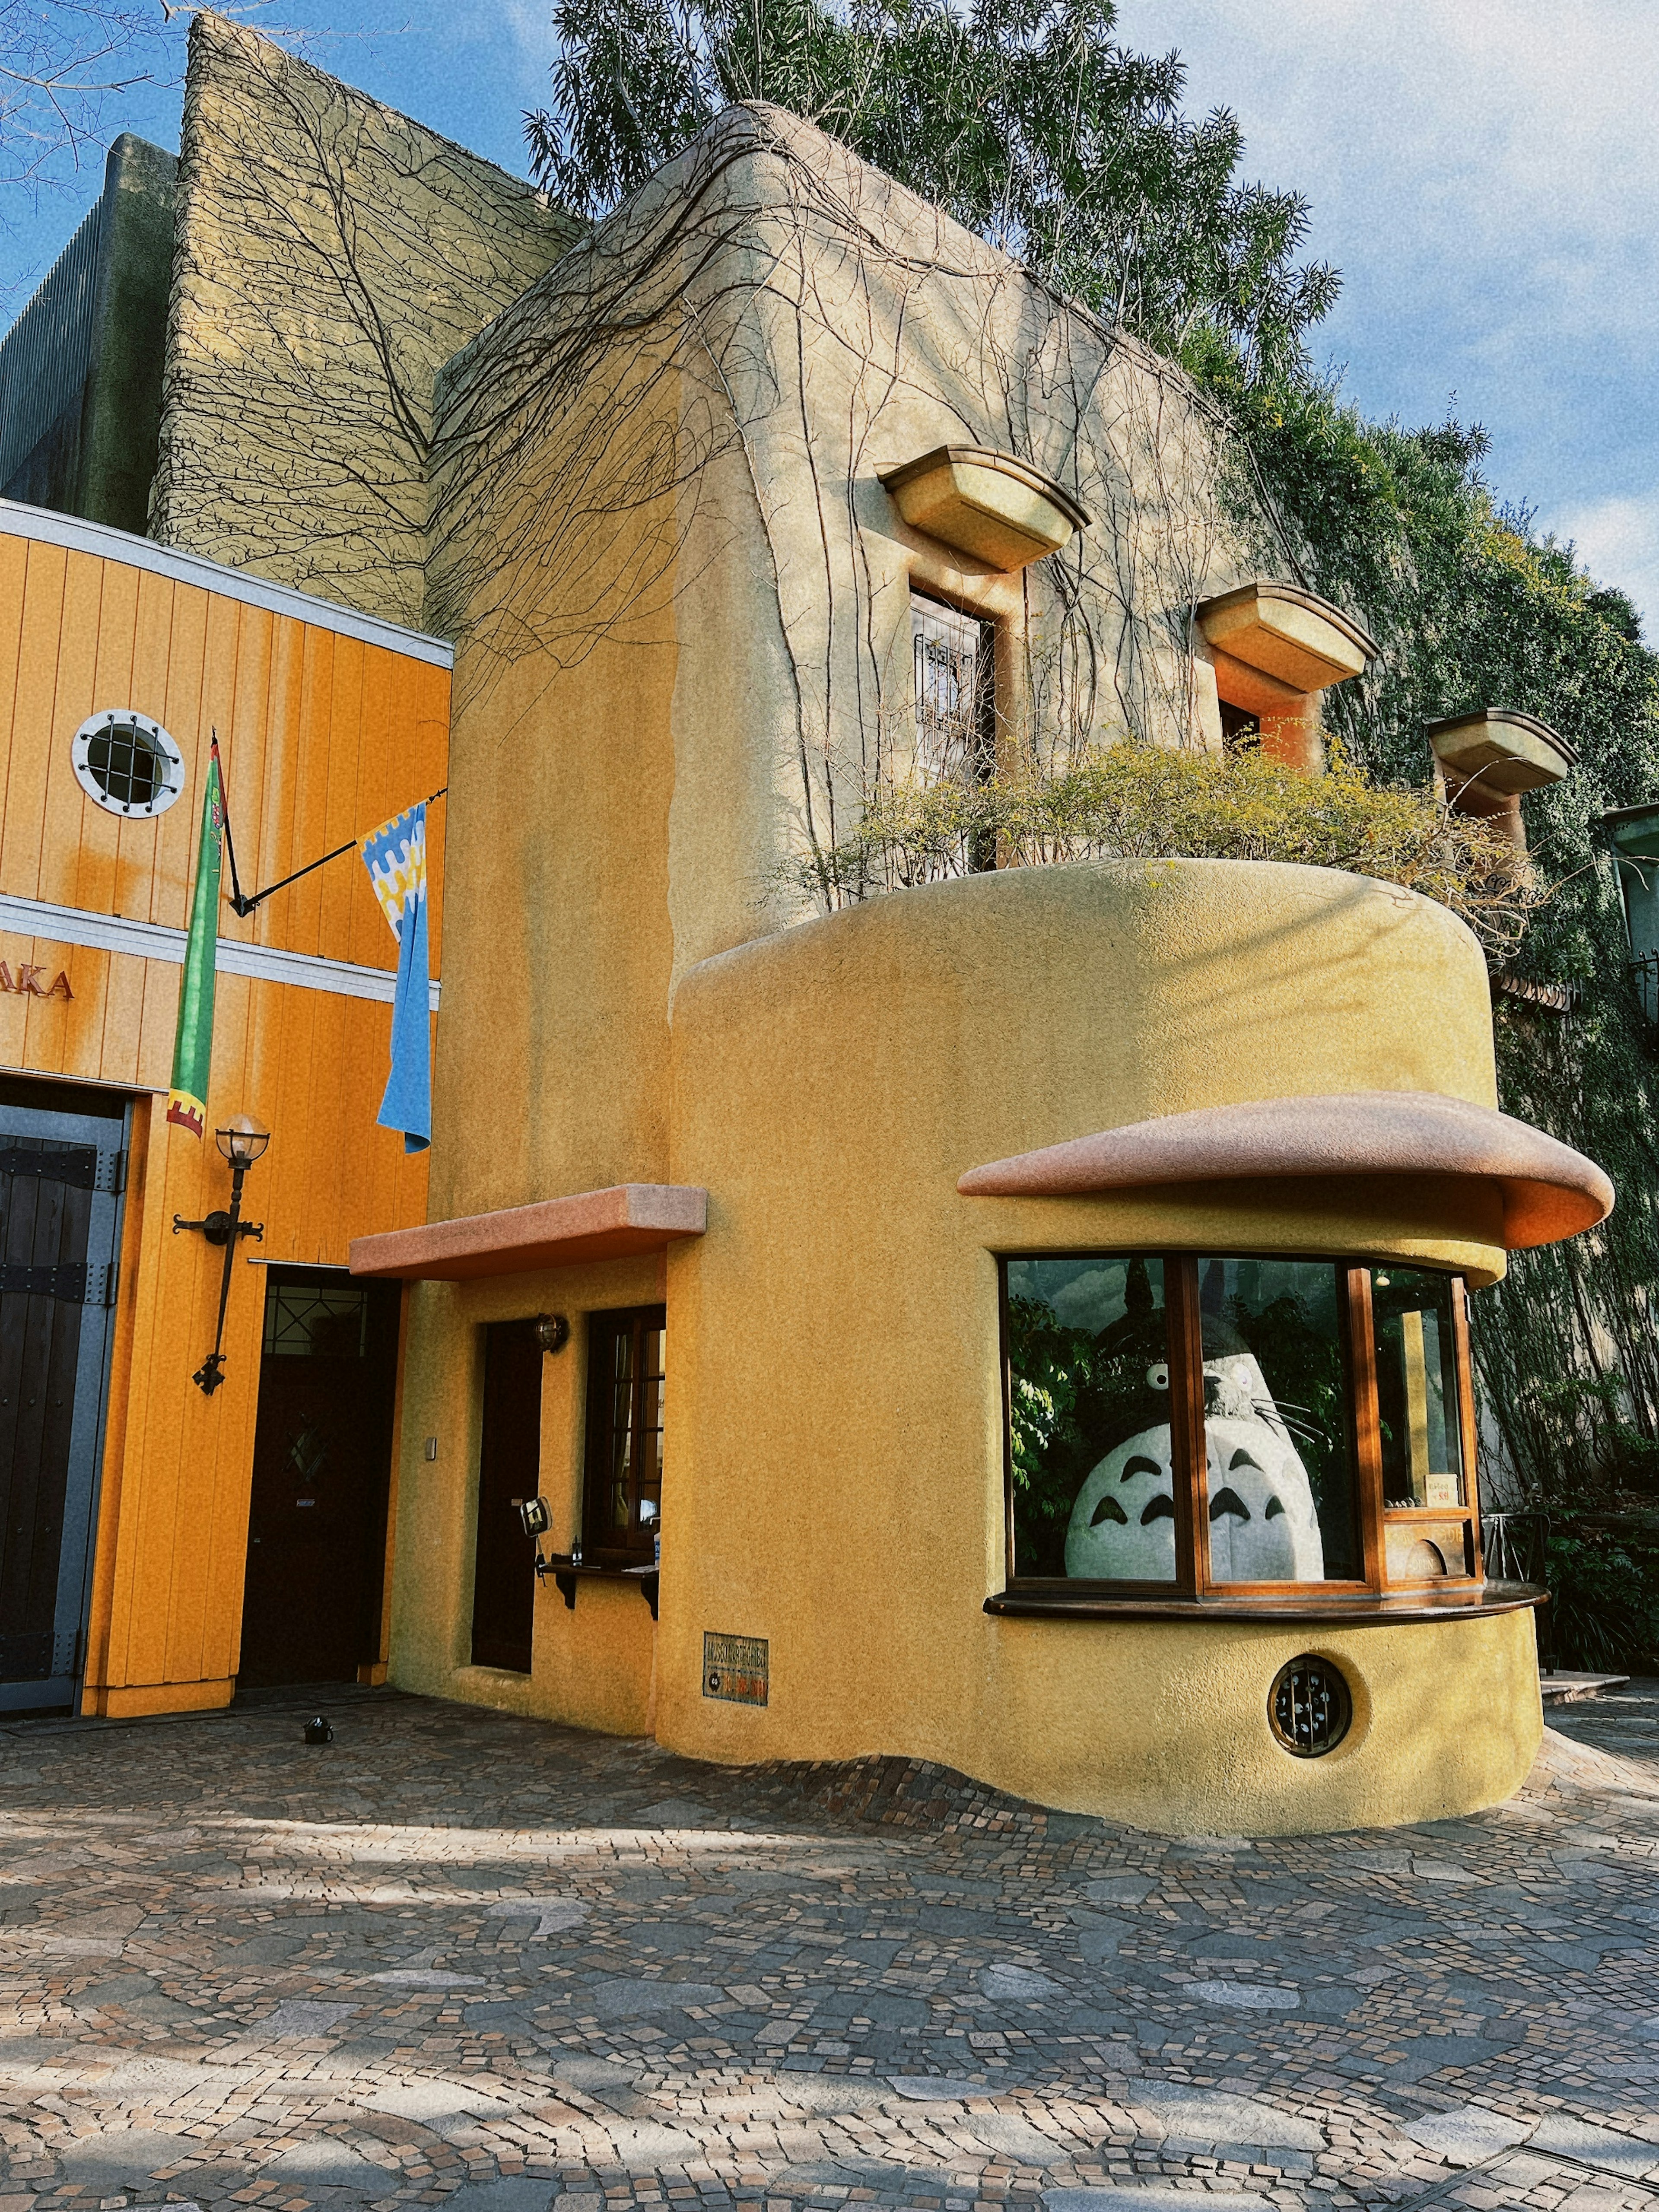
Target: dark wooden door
{"x":509,"y":1468}
{"x":59,"y":1212}
{"x":322,"y":1466}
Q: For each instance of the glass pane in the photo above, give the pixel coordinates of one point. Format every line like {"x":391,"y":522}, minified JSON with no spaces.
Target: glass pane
{"x":953,"y":675}
{"x":1089,"y":1414}
{"x":1416,"y":1388}
{"x":1278,"y":1467}
{"x":303,"y":1323}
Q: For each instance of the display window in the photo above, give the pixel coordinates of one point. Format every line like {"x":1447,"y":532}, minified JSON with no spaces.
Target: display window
{"x":1181,"y":1425}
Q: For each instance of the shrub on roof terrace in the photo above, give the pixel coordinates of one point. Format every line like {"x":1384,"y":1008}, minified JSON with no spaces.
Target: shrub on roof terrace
{"x":1132,"y":801}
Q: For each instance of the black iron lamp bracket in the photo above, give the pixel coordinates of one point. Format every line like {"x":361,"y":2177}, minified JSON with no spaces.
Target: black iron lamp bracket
{"x":217,"y":1227}
{"x":226,"y":1229}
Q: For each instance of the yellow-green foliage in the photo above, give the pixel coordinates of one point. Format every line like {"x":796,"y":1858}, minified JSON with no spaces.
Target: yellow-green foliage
{"x":1142,"y":802}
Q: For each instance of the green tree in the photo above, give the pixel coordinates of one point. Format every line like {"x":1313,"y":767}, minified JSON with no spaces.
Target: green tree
{"x":1025,"y":119}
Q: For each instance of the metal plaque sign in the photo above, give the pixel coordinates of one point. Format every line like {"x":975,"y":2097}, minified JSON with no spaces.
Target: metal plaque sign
{"x":735,"y":1667}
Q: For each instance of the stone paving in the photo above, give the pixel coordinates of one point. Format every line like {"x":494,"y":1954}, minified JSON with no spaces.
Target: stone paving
{"x":459,"y":1959}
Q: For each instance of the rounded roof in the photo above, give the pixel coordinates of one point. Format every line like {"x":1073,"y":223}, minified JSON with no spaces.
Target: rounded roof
{"x":1549,"y":1190}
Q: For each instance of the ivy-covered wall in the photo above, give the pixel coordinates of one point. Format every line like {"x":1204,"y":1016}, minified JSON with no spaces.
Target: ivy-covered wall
{"x":331,"y":255}
{"x":1475,"y":607}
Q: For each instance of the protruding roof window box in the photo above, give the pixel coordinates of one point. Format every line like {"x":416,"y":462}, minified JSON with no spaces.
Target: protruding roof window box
{"x":1283,"y":631}
{"x":994,"y":507}
{"x":1506,"y":752}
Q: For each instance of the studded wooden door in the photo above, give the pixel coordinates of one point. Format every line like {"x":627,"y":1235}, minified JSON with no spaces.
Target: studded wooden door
{"x":60,"y":1176}
{"x":322,"y":1465}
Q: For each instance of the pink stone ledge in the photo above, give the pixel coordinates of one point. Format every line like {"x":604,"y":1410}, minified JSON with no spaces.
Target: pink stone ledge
{"x":1549,"y":1190}
{"x":555,"y":1232}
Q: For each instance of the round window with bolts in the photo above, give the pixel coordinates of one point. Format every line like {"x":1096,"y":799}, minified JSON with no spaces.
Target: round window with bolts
{"x":1309,"y":1706}
{"x":127,"y":764}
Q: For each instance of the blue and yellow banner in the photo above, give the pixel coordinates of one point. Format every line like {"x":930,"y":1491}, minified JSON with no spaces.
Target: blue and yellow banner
{"x":192,"y":1044}
{"x":395,"y":856}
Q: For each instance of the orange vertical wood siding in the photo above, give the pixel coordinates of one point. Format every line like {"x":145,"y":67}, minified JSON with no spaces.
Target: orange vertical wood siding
{"x":322,"y":736}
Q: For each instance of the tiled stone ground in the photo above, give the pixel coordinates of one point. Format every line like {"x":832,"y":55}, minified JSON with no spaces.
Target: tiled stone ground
{"x":459,"y":1958}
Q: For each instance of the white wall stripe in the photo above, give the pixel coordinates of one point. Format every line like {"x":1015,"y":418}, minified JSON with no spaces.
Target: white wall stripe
{"x":45,"y":528}
{"x":150,"y":941}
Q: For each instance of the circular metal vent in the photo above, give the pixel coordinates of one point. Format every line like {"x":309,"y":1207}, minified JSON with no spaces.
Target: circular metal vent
{"x":127,"y":764}
{"x":1309,"y":1706}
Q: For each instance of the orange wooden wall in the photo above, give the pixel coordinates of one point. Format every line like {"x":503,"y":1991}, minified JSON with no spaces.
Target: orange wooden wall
{"x":323,"y":737}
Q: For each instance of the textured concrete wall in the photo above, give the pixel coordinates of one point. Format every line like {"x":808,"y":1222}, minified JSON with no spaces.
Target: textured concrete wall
{"x":121,"y":425}
{"x":331,"y":255}
{"x":80,"y":369}
{"x":834,"y":1459}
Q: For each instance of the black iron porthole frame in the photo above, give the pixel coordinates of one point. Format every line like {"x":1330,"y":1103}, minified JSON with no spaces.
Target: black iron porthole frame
{"x":1309,"y":1706}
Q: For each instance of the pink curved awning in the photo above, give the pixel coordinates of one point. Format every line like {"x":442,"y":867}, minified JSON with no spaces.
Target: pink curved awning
{"x":1549,"y":1190}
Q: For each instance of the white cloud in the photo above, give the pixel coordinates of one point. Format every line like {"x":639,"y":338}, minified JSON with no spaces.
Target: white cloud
{"x":1617,"y":540}
{"x":1485,"y":173}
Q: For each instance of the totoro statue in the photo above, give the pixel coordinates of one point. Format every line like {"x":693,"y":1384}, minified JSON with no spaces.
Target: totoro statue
{"x":1263,"y":1526}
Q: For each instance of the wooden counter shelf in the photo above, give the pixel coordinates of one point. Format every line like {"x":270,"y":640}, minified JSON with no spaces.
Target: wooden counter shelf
{"x":1467,"y":1603}
{"x":567,"y":1573}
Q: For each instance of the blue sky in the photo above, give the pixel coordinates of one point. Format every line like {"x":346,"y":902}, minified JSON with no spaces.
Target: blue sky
{"x":1484,"y":172}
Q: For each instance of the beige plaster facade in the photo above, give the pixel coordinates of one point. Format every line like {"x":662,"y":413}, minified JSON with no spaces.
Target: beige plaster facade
{"x":835,"y":1469}
{"x":682,"y":596}
{"x":648,"y":499}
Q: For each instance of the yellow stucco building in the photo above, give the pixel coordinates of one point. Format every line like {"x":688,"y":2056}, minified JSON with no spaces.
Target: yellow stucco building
{"x":1011,"y":1317}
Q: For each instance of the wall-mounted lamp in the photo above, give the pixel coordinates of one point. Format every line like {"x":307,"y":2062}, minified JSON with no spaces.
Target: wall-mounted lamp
{"x":241,"y":1141}
{"x":551,"y":1331}
{"x":536,"y":1518}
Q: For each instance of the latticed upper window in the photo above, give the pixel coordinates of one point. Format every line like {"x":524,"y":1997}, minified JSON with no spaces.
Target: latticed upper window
{"x":955,"y":688}
{"x":302,"y":1322}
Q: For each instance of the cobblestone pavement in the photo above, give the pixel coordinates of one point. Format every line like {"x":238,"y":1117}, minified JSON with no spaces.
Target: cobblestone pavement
{"x":456,"y":1958}
{"x":1625,"y":1720}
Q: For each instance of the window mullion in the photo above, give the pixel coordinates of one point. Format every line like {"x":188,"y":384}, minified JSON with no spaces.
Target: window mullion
{"x":1191,"y":1527}
{"x":1367,"y":1431}
{"x":1460,"y":1305}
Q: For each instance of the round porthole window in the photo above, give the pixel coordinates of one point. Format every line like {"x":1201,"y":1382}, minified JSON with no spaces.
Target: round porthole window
{"x":1309,"y":1706}
{"x":127,"y":764}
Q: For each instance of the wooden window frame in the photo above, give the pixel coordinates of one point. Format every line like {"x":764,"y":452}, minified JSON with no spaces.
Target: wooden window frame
{"x":605,"y":1549}
{"x":987,"y":676}
{"x":1192,"y":1580}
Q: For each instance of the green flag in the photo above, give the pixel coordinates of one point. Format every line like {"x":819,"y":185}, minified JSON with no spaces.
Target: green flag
{"x":192,"y":1049}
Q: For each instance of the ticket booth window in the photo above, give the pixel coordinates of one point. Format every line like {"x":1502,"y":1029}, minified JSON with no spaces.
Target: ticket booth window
{"x":1184,"y":1425}
{"x":626,"y":1379}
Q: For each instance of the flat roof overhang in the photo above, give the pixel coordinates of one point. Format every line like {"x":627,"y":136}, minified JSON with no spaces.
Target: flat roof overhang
{"x":554,"y":1232}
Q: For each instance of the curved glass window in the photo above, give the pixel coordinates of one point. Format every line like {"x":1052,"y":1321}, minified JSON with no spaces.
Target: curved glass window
{"x":1184,"y":1424}
{"x":1278,"y":1473}
{"x":1088,"y":1419}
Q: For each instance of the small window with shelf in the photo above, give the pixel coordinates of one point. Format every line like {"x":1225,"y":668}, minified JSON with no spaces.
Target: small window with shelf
{"x":627,"y":1370}
{"x":1418,"y":1424}
{"x":1279,"y":1458}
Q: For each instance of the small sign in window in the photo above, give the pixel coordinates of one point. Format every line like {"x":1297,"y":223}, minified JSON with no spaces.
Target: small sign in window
{"x":735,"y":1667}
